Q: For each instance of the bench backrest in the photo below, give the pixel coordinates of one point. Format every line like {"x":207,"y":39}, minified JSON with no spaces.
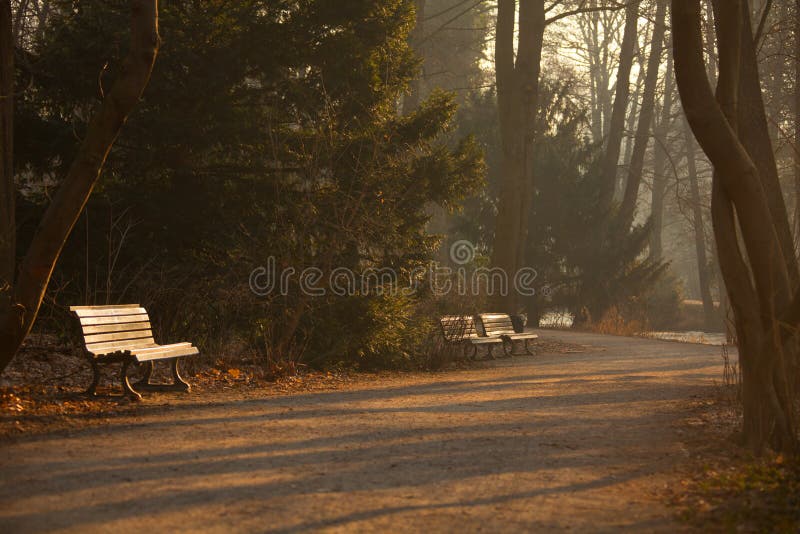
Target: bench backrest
{"x":114,"y":328}
{"x":458,"y":327}
{"x":496,"y":324}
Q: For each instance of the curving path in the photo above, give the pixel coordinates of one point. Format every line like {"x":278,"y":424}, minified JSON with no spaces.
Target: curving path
{"x":581,"y":441}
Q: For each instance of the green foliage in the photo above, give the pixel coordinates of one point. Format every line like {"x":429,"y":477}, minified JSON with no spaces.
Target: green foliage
{"x":269,"y":129}
{"x":661,"y":303}
{"x":582,"y":256}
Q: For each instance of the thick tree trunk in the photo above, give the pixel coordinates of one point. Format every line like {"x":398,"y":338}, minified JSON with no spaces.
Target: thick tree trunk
{"x":617,"y":123}
{"x":7,"y":217}
{"x":760,"y":302}
{"x":66,"y":206}
{"x":628,"y":206}
{"x":797,"y":125}
{"x":703,"y":273}
{"x":517,"y":97}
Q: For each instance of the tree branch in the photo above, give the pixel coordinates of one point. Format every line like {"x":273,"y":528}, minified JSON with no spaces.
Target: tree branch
{"x":565,"y":14}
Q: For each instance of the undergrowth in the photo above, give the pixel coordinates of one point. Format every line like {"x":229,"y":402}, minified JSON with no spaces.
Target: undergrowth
{"x":757,"y":495}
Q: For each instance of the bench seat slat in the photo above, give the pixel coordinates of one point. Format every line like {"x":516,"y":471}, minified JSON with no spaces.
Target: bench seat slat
{"x":161,"y":347}
{"x":165,"y":353}
{"x":118,"y":336}
{"x":103,"y":307}
{"x":109,"y":312}
{"x":496,"y":316}
{"x":499,"y":331}
{"x":497,"y":321}
{"x":117,"y":319}
{"x":518,"y":336}
{"x":115,"y":346}
{"x":497,"y":324}
{"x":119,"y":327}
{"x":485,"y":340}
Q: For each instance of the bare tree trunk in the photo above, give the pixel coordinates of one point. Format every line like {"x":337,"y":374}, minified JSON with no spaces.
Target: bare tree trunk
{"x":617,"y":123}
{"x":7,"y":217}
{"x":659,"y":167}
{"x":65,"y":208}
{"x":756,"y":278}
{"x":630,"y":126}
{"x":628,"y":206}
{"x":598,"y":37}
{"x":754,"y":133}
{"x":597,"y":92}
{"x":517,"y":98}
{"x":797,"y":125}
{"x":703,"y":273}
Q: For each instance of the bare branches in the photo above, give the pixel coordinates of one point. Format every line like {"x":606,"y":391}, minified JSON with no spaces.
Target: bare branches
{"x":760,"y":31}
{"x":614,"y":6}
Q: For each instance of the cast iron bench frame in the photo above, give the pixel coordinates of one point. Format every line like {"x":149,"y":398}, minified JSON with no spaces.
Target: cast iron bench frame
{"x":463,"y":330}
{"x":121,"y":333}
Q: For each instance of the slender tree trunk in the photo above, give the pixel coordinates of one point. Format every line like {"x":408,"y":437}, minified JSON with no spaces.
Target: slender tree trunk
{"x":659,"y":167}
{"x":754,"y":133}
{"x":643,"y":129}
{"x":617,"y":124}
{"x":66,"y":206}
{"x":703,"y":273}
{"x":517,"y":97}
{"x":756,"y":278}
{"x":724,"y":312}
{"x":597,"y":91}
{"x":630,"y":127}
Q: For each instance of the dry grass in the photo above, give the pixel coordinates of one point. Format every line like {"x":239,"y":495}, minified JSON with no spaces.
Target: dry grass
{"x":614,"y":323}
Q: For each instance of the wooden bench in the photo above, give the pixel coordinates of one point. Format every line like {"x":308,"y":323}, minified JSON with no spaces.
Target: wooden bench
{"x":500,"y":325}
{"x":121,"y":333}
{"x":461,"y":329}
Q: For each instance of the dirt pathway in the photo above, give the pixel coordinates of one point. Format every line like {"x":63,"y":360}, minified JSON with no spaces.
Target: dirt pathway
{"x":562,"y":441}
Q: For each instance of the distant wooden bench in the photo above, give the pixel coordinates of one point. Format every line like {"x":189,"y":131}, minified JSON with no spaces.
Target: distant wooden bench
{"x":122,"y":334}
{"x":461,"y":329}
{"x":501,"y":325}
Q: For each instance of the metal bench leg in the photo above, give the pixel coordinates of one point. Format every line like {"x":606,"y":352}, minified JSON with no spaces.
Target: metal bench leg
{"x":528,"y":350}
{"x":126,"y":385}
{"x":489,"y":355}
{"x":178,"y":381}
{"x":508,"y":347}
{"x":92,"y":390}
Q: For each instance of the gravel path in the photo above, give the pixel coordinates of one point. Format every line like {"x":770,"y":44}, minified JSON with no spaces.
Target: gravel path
{"x":583,"y":441}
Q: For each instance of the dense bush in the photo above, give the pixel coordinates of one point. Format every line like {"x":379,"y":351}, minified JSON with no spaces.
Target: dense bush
{"x":268,"y":130}
{"x":586,"y":262}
